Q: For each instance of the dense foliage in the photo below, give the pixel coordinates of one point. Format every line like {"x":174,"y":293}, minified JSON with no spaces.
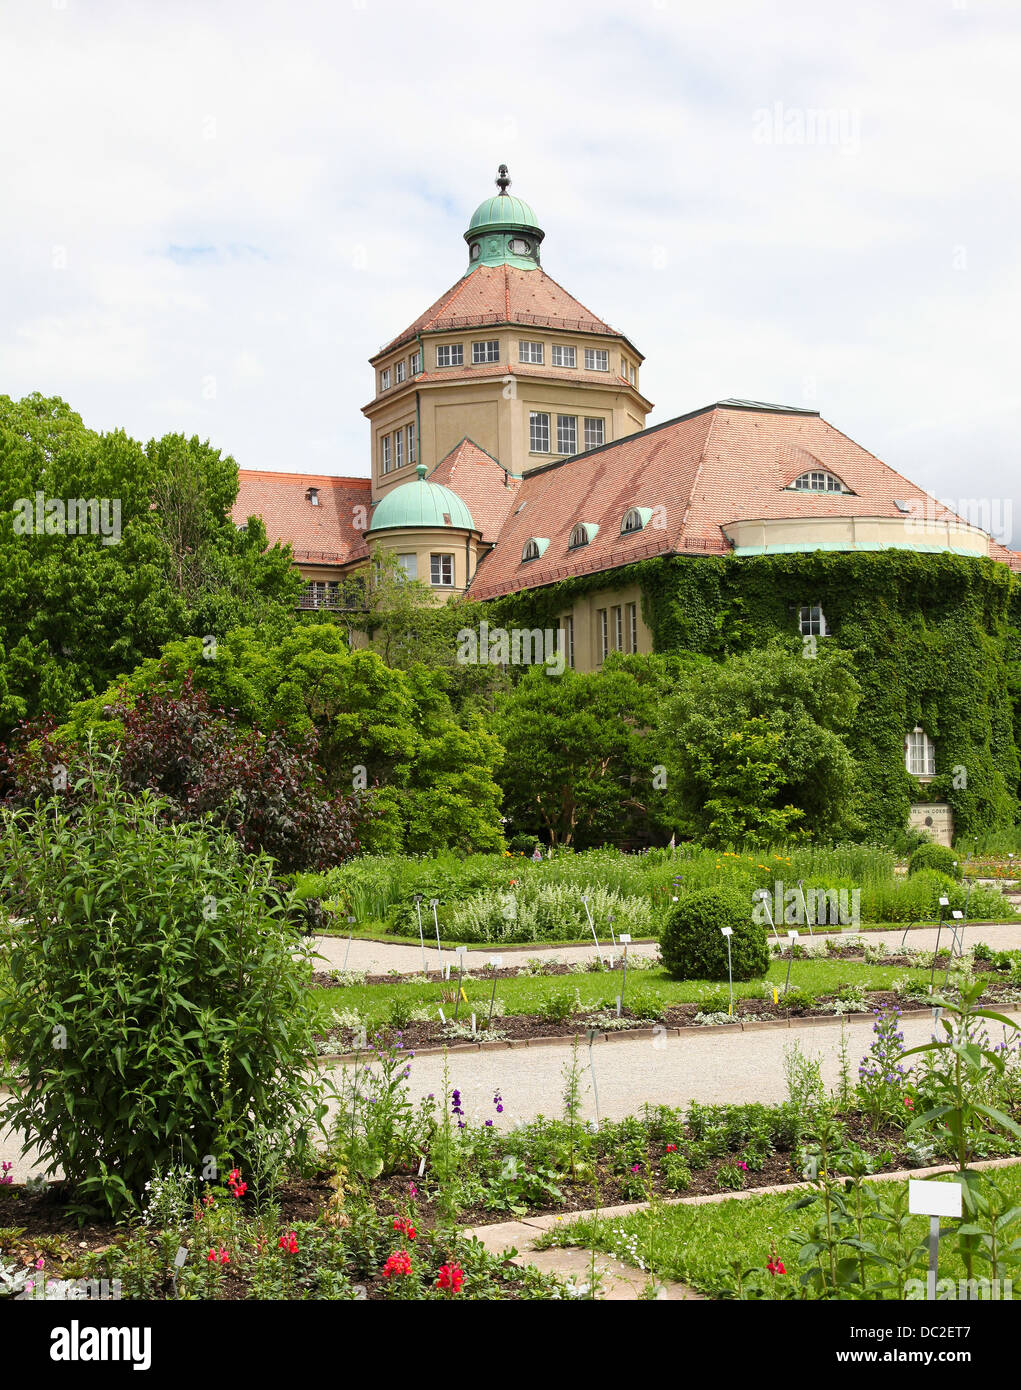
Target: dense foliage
{"x":939,"y":858}
{"x":692,"y":944}
{"x":157,"y":1010}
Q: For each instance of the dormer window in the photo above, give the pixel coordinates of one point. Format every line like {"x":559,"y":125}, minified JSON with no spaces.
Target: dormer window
{"x":313,"y":496}
{"x":920,"y":754}
{"x":533,"y":548}
{"x":635,"y":519}
{"x":519,"y":247}
{"x":583,"y":533}
{"x":818,"y":480}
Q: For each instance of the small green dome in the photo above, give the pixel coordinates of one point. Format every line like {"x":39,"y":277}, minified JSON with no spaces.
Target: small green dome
{"x":503,"y":231}
{"x":420,"y":504}
{"x":502,"y":211}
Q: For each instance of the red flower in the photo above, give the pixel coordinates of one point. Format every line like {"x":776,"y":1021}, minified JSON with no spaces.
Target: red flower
{"x":909,"y":1102}
{"x":671,"y":1148}
{"x":775,"y":1267}
{"x":405,"y":1227}
{"x":451,"y":1277}
{"x":397,"y":1263}
{"x":289,"y":1243}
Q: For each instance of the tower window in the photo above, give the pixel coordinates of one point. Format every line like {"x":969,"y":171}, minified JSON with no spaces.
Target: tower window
{"x":530,"y":352}
{"x":401,"y":371}
{"x":564,"y":356}
{"x":597,"y":360}
{"x":812,"y":621}
{"x":398,"y":448}
{"x":486,"y":352}
{"x":415,"y":363}
{"x":441,"y":570}
{"x":385,"y":447}
{"x":538,"y":432}
{"x":411,"y":443}
{"x":384,"y":379}
{"x":818,"y":480}
{"x":450,"y":355}
{"x":595,"y":432}
{"x":920,"y":754}
{"x":519,"y":247}
{"x":567,"y":434}
{"x":409,"y":565}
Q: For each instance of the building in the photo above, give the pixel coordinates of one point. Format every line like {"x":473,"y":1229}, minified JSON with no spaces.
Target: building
{"x":510,"y":458}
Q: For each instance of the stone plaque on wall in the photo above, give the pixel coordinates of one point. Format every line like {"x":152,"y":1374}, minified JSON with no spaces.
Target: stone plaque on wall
{"x":935,"y":818}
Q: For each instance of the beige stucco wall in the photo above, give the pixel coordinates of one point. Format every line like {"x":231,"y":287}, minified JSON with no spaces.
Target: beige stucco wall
{"x":585,"y":611}
{"x":906,"y":531}
{"x":463,"y":545}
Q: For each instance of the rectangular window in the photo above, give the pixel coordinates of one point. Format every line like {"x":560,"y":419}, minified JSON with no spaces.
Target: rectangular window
{"x":567,"y":434}
{"x":920,"y":757}
{"x":597,"y":360}
{"x":398,"y":448}
{"x":604,"y":633}
{"x":441,"y":569}
{"x":415,"y":363}
{"x":486,"y":352}
{"x":618,"y":629}
{"x":385,"y":445}
{"x":632,"y":627}
{"x":409,"y":564}
{"x":631,"y":375}
{"x":530,"y":352}
{"x":384,"y":379}
{"x":569,"y":640}
{"x":450,"y":355}
{"x":538,"y":432}
{"x":812,"y":621}
{"x":401,"y":372}
{"x":595,"y":433}
{"x":623,"y":367}
{"x":411,"y":443}
{"x":564,"y":356}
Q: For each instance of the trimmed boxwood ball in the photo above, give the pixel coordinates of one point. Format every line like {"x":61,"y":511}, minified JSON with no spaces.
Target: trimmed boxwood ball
{"x":693,"y":948}
{"x":938,"y":857}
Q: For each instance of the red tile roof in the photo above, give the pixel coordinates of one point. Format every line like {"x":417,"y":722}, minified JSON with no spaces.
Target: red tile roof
{"x":481,"y":482}
{"x":728,"y":462}
{"x":330,"y":534}
{"x":504,"y":294}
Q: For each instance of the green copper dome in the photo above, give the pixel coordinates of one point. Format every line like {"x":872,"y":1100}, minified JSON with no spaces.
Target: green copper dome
{"x":420,"y":504}
{"x":503,"y":231}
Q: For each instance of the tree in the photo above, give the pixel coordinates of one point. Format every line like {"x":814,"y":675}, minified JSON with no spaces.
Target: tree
{"x":755,"y":749}
{"x":580,"y":752}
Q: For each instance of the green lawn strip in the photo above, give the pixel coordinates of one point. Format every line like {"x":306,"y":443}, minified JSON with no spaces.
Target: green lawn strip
{"x":525,"y":994}
{"x":692,"y":1243}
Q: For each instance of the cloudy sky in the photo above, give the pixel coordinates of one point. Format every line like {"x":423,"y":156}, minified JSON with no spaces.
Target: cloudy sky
{"x":215,"y":212}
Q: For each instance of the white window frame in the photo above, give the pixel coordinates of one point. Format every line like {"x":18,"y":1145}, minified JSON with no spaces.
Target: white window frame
{"x":567,"y":430}
{"x":812,"y":620}
{"x":597,"y":359}
{"x":409,"y":565}
{"x":384,"y":379}
{"x":817,"y":480}
{"x":604,"y":634}
{"x":411,"y":442}
{"x":385,"y":452}
{"x":400,"y":371}
{"x":415,"y":363}
{"x":450,"y":355}
{"x":618,"y":628}
{"x":579,"y":536}
{"x":398,"y":449}
{"x":530,"y":550}
{"x":632,"y":522}
{"x":538,"y":431}
{"x":594,"y":424}
{"x":486,"y":351}
{"x":632,"y":627}
{"x":532,"y":352}
{"x":919,"y":753}
{"x":565,"y":355}
{"x":441,"y":563}
{"x":567,"y":624}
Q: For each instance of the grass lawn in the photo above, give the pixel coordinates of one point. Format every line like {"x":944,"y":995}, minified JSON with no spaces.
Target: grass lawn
{"x":690,"y":1244}
{"x":525,"y":994}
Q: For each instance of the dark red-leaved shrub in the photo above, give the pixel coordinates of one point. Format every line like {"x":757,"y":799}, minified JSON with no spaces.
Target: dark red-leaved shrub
{"x":267,"y":789}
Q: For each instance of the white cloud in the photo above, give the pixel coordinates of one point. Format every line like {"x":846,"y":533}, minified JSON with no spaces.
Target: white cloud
{"x":330,"y":154}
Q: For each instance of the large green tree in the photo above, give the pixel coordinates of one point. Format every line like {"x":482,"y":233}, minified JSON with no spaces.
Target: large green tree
{"x":160,"y":557}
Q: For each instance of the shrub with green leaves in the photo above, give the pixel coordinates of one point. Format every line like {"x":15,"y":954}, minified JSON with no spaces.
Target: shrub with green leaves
{"x":157,"y":1009}
{"x":933,"y":856}
{"x":692,"y":945}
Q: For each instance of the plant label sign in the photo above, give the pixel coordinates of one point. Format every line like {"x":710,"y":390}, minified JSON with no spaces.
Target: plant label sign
{"x":929,"y":1198}
{"x":625,"y":937}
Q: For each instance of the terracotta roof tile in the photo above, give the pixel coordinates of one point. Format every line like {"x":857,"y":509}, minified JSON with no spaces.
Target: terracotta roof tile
{"x":481,"y":482}
{"x":328,"y":534}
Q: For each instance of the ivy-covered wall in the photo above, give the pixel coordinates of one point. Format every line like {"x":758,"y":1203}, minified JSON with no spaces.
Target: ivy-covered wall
{"x":935,"y":640}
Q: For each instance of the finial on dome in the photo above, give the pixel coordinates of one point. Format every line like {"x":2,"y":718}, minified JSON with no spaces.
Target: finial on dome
{"x":421,"y":470}
{"x":502,"y":180}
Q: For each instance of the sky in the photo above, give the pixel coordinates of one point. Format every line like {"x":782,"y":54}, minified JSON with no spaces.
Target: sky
{"x":216,"y":212}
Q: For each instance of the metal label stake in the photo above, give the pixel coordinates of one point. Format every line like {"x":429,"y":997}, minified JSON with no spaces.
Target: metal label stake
{"x":592,"y":927}
{"x":495,"y":962}
{"x":351,"y":920}
{"x":421,"y":935}
{"x":434,"y":903}
{"x":728,"y":932}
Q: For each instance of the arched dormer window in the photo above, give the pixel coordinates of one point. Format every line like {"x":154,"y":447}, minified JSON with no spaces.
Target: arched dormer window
{"x":635,"y":519}
{"x":533,"y":548}
{"x":583,"y":533}
{"x":818,"y":480}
